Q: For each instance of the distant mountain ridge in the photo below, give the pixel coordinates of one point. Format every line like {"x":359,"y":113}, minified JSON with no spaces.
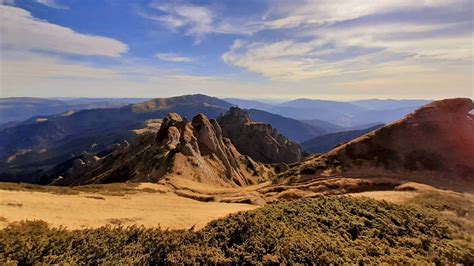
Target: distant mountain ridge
{"x":377,"y":104}
{"x":21,"y":108}
{"x":325,"y":143}
{"x":333,"y":114}
{"x":290,"y":128}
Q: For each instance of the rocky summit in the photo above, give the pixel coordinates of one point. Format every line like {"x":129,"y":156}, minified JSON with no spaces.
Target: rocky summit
{"x":194,"y":150}
{"x":257,"y":140}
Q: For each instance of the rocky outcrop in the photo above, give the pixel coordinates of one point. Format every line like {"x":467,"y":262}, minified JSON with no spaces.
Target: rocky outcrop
{"x":433,"y":145}
{"x":195,"y":151}
{"x":257,"y":140}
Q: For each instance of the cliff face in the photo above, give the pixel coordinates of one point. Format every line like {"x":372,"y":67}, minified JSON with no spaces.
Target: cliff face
{"x":257,"y":140}
{"x":193,"y":150}
{"x":435,"y":145}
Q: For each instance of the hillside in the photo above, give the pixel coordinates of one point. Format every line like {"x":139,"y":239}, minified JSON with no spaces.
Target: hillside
{"x":433,"y":145}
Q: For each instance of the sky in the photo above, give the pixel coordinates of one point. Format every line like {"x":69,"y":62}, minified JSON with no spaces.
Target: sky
{"x":253,"y":49}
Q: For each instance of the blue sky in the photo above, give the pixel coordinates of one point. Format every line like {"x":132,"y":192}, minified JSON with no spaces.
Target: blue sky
{"x":325,"y":49}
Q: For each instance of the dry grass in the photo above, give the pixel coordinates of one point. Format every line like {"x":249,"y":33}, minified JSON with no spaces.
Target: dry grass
{"x":115,"y":189}
{"x":93,"y":206}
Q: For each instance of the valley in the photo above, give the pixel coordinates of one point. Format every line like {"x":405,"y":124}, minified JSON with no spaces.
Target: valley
{"x":177,"y":174}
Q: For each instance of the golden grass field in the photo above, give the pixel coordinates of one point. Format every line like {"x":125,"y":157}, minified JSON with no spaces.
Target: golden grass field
{"x":141,"y":204}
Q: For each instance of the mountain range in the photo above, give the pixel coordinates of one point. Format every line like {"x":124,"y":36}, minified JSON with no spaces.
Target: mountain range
{"x":232,"y":150}
{"x":349,"y":115}
{"x":29,"y":147}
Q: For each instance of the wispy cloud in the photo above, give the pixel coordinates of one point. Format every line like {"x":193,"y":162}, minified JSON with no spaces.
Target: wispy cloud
{"x":317,"y":46}
{"x":296,"y":13}
{"x":286,"y":60}
{"x":171,"y":57}
{"x":52,"y":4}
{"x":300,"y":48}
{"x":200,"y":21}
{"x":21,"y":31}
{"x":196,"y":19}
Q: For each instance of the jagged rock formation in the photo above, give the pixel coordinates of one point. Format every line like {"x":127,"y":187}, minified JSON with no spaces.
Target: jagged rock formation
{"x":192,"y":150}
{"x":32,"y":146}
{"x":433,"y":145}
{"x":257,"y":140}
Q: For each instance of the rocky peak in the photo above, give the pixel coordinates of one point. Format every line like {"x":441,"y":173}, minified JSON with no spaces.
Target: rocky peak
{"x":257,"y":140}
{"x":193,"y":150}
{"x":237,"y":115}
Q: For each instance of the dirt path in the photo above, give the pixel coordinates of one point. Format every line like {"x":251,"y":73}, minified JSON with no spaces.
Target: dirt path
{"x":95,"y":209}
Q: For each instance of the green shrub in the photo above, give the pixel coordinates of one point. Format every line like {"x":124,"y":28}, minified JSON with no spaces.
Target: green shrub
{"x":325,"y":230}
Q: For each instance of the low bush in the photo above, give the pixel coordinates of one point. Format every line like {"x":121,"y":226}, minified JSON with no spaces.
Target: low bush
{"x":325,"y":230}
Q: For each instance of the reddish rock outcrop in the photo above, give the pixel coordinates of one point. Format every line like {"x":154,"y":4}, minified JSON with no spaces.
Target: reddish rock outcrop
{"x":433,"y":145}
{"x":257,"y":140}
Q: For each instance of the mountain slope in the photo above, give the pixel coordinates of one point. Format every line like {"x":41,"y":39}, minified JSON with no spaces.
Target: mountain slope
{"x":433,"y":145}
{"x":327,"y":126}
{"x":325,"y":143}
{"x":14,"y":109}
{"x":307,"y":109}
{"x":290,"y":128}
{"x":248,"y":104}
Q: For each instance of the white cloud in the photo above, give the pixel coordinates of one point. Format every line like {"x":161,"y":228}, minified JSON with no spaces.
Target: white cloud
{"x":32,"y":74}
{"x":290,"y":14}
{"x":286,"y":60}
{"x":52,"y":4}
{"x":35,"y":67}
{"x":328,"y":50}
{"x":199,"y":21}
{"x":171,"y":57}
{"x":21,"y":31}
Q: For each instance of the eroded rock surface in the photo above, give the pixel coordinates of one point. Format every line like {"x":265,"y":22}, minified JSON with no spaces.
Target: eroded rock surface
{"x":258,"y":140}
{"x":194,"y":150}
